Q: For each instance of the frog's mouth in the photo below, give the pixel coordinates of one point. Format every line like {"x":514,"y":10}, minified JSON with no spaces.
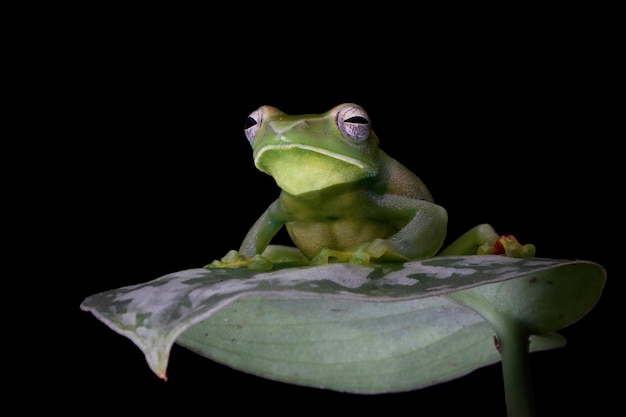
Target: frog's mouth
{"x":299,"y":169}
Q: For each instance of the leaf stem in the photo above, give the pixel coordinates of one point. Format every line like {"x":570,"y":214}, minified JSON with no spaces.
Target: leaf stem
{"x":513,"y":344}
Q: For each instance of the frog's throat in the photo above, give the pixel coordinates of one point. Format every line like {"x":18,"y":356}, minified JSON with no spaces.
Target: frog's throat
{"x":298,"y":168}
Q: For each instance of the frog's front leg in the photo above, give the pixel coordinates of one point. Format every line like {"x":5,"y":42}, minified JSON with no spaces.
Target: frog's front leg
{"x":484,"y":240}
{"x":252,"y":252}
{"x":421,"y":236}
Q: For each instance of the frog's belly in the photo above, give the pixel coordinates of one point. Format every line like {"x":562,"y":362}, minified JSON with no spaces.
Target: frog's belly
{"x":311,"y":237}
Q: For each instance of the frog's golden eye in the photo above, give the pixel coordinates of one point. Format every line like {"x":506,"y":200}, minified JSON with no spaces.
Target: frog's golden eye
{"x":354,"y":122}
{"x":253,"y":124}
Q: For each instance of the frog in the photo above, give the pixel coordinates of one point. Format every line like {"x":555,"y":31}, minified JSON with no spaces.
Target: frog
{"x":343,"y":199}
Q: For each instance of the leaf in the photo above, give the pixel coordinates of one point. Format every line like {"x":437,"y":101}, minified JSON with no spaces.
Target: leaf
{"x":349,"y":345}
{"x":372,"y":329}
{"x":539,"y":302}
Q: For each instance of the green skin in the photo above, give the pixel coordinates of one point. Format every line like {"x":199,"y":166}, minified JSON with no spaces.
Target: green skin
{"x":342,"y":198}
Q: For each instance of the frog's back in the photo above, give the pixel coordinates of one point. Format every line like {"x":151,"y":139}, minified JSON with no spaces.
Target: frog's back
{"x":395,"y":178}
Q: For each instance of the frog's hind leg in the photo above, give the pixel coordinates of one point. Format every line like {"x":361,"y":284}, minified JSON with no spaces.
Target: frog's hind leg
{"x":484,"y":240}
{"x":470,"y":242}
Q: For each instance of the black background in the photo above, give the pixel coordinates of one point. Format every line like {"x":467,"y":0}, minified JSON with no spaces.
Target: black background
{"x":156,"y":177}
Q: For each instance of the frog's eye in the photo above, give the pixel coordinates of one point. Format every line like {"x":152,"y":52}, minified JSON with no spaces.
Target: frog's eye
{"x":354,"y":122}
{"x":253,"y":124}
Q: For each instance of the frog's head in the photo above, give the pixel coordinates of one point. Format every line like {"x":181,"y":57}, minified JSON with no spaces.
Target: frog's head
{"x":311,"y":152}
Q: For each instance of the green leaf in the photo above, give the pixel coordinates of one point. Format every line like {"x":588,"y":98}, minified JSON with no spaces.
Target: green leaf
{"x":539,"y":302}
{"x":350,"y":345}
{"x":382,"y":328}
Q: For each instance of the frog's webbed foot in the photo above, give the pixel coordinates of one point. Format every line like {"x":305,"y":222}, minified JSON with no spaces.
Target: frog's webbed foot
{"x":507,"y":245}
{"x":364,"y":254}
{"x":273,"y":254}
{"x":329,"y":256}
{"x":234,"y":259}
{"x":484,"y":240}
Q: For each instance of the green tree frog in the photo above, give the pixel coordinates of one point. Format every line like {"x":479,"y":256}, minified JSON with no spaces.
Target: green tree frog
{"x":343,"y":199}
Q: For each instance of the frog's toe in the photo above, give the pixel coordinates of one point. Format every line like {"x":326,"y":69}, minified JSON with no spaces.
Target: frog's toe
{"x":327,"y":256}
{"x":234,"y":259}
{"x":221,"y":264}
{"x":383,"y":250}
{"x":259,"y":263}
{"x":360,"y":257}
{"x":508,"y":245}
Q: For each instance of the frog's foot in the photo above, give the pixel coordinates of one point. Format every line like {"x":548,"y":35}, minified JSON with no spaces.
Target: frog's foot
{"x":364,"y":254}
{"x":331,"y":256}
{"x":509,"y":246}
{"x":234,"y":259}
